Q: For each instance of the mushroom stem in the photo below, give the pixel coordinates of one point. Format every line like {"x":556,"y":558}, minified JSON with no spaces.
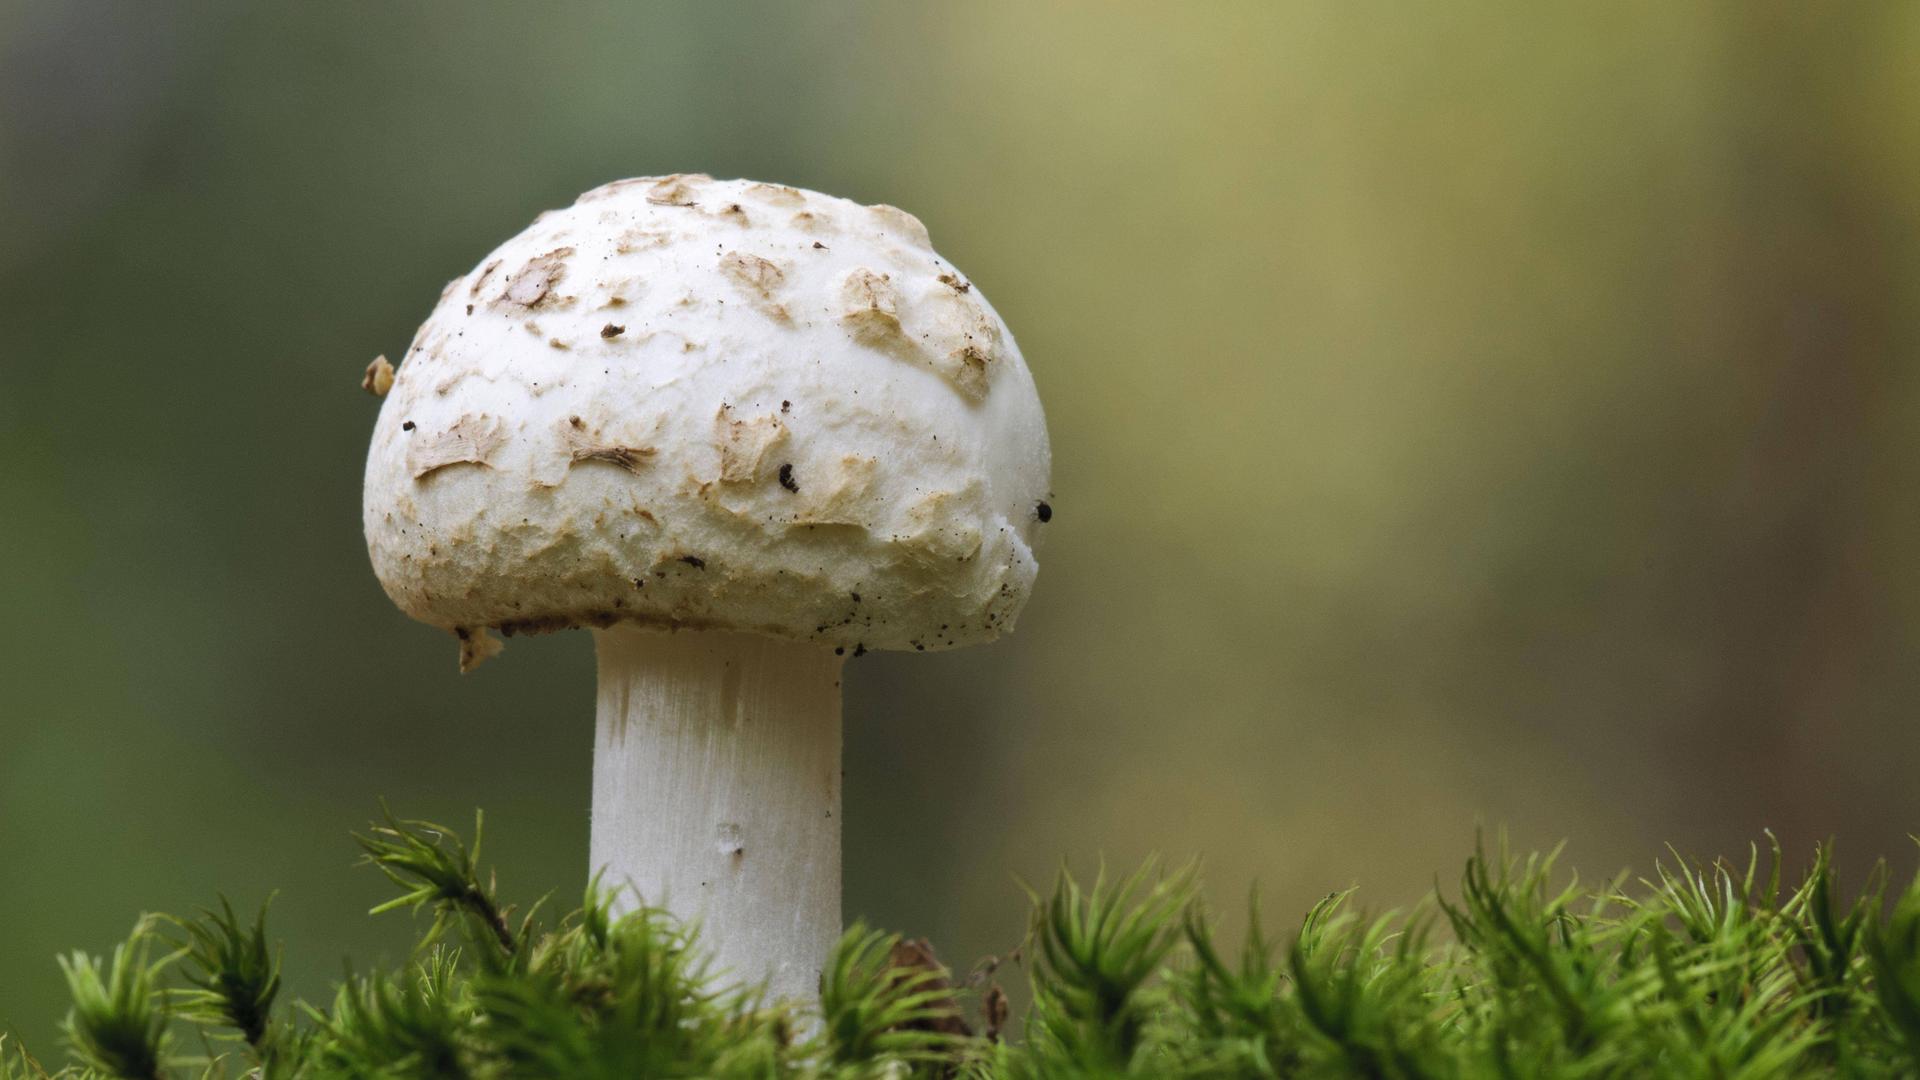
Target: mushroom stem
{"x":716,"y":793}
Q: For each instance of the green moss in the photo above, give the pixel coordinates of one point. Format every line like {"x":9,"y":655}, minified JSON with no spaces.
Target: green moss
{"x":1703,"y":970}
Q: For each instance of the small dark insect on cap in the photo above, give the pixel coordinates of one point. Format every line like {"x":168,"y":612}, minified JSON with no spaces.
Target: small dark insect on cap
{"x":1044,"y":512}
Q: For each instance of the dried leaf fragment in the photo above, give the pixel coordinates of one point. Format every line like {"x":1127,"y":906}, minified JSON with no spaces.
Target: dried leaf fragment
{"x":477,"y":646}
{"x":583,"y":442}
{"x":378,"y":378}
{"x":995,"y":1009}
{"x":913,"y":963}
{"x":629,"y":458}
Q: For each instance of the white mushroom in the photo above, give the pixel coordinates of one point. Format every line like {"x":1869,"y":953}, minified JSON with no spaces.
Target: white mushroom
{"x":743,"y":431}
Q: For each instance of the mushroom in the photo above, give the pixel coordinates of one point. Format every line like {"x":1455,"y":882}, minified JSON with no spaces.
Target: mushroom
{"x":743,"y":432}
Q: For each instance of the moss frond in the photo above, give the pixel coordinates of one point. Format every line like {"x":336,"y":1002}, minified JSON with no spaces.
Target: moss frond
{"x":1711,"y":969}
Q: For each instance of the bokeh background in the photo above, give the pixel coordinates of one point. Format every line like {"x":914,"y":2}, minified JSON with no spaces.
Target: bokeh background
{"x":1461,"y":414}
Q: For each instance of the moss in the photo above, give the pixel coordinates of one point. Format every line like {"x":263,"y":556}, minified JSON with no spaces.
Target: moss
{"x":1702,"y":970}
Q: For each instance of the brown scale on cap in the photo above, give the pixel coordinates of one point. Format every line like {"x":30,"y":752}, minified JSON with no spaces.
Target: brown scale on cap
{"x":759,"y":280}
{"x":901,"y":224}
{"x":469,"y":440}
{"x":675,"y":190}
{"x":745,"y":443}
{"x":532,"y":285}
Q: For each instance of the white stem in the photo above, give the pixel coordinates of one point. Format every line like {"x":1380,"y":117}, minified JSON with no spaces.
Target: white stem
{"x":716,"y":793}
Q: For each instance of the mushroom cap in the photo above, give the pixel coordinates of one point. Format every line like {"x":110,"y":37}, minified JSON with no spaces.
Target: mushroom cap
{"x":712,"y":404}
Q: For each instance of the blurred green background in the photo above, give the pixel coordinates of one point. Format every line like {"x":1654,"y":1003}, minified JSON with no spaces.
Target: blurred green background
{"x":1480,"y":414}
